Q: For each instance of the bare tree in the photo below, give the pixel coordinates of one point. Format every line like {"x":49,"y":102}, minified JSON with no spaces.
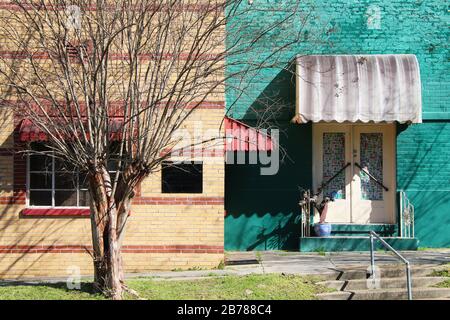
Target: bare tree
{"x":83,"y":70}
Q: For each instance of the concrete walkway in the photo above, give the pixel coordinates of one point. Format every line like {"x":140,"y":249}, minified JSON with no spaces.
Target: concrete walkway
{"x":243,"y":263}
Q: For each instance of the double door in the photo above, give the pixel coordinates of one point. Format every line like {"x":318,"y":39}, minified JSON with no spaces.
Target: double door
{"x":364,"y":190}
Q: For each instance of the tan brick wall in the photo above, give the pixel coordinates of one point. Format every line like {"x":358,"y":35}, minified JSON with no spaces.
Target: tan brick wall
{"x":7,"y":127}
{"x":153,"y":226}
{"x":14,"y":266}
{"x":177,"y":233}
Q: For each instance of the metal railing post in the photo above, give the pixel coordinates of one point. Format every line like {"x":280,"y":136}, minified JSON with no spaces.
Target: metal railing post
{"x":408,"y":280}
{"x":374,"y":235}
{"x":372,"y":256}
{"x":402,"y":232}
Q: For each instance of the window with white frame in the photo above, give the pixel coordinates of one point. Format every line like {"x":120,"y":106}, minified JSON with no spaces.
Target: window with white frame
{"x":51,"y":183}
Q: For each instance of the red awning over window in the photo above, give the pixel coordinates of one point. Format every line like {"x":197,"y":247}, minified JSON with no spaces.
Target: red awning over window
{"x":242,"y":137}
{"x":29,"y":132}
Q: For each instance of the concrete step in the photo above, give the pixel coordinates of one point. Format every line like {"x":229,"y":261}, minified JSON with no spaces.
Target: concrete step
{"x":386,"y":294}
{"x":386,"y":271}
{"x":384,"y":283}
{"x":435,"y":299}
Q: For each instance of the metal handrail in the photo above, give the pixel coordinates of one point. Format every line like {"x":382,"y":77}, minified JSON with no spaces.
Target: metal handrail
{"x":326,"y":183}
{"x":371,"y":176}
{"x":399,"y":256}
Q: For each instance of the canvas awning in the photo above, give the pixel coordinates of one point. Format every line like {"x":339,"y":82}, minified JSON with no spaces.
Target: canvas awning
{"x":358,"y":88}
{"x":30,"y":132}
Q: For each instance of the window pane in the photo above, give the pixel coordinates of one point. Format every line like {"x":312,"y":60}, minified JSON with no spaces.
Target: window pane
{"x":182,"y":178}
{"x":113,"y":165}
{"x":84,"y":183}
{"x":40,"y":198}
{"x":64,"y":180}
{"x":113,"y":160}
{"x":372,"y":162}
{"x":84,"y":198}
{"x":40,"y":163}
{"x":65,"y":198}
{"x":40,"y":181}
{"x":61,"y":165}
{"x":333,"y":161}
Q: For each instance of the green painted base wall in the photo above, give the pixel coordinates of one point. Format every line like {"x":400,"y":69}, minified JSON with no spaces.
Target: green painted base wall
{"x":262,"y":211}
{"x":353,"y":244}
{"x":355,"y":230}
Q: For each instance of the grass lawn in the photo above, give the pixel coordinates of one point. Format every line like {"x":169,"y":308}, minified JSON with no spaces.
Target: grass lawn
{"x":445,"y":284}
{"x":222,"y":288}
{"x":443,"y":273}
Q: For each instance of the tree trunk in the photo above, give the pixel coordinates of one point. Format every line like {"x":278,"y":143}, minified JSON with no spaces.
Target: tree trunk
{"x":109,"y":215}
{"x":108,"y":274}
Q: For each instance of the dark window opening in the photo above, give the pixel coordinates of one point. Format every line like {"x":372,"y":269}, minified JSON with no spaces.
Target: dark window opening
{"x":182,"y":177}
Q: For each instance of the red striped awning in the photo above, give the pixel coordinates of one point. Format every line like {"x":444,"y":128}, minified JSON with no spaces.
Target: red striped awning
{"x":29,"y":132}
{"x":242,"y":137}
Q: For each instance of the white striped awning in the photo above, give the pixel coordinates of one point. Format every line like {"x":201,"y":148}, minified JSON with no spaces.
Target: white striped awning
{"x":358,"y":88}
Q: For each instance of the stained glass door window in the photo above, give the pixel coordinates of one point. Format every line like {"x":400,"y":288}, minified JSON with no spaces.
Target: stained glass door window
{"x":371,"y":155}
{"x":333,"y":161}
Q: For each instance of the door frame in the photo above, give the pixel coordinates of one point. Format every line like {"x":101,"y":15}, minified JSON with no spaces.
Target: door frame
{"x":318,"y":128}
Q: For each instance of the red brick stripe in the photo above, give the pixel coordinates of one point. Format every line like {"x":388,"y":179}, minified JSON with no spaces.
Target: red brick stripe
{"x":17,"y":55}
{"x":8,"y":5}
{"x":208,"y":249}
{"x":195,"y":152}
{"x":116,"y":106}
{"x":20,"y":199}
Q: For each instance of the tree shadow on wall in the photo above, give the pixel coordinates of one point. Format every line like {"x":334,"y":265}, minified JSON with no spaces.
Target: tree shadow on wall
{"x":275,"y":102}
{"x":282,"y":237}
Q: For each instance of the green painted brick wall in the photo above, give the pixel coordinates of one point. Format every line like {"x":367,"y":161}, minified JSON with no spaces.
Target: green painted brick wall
{"x":419,"y":27}
{"x":423,"y":171}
